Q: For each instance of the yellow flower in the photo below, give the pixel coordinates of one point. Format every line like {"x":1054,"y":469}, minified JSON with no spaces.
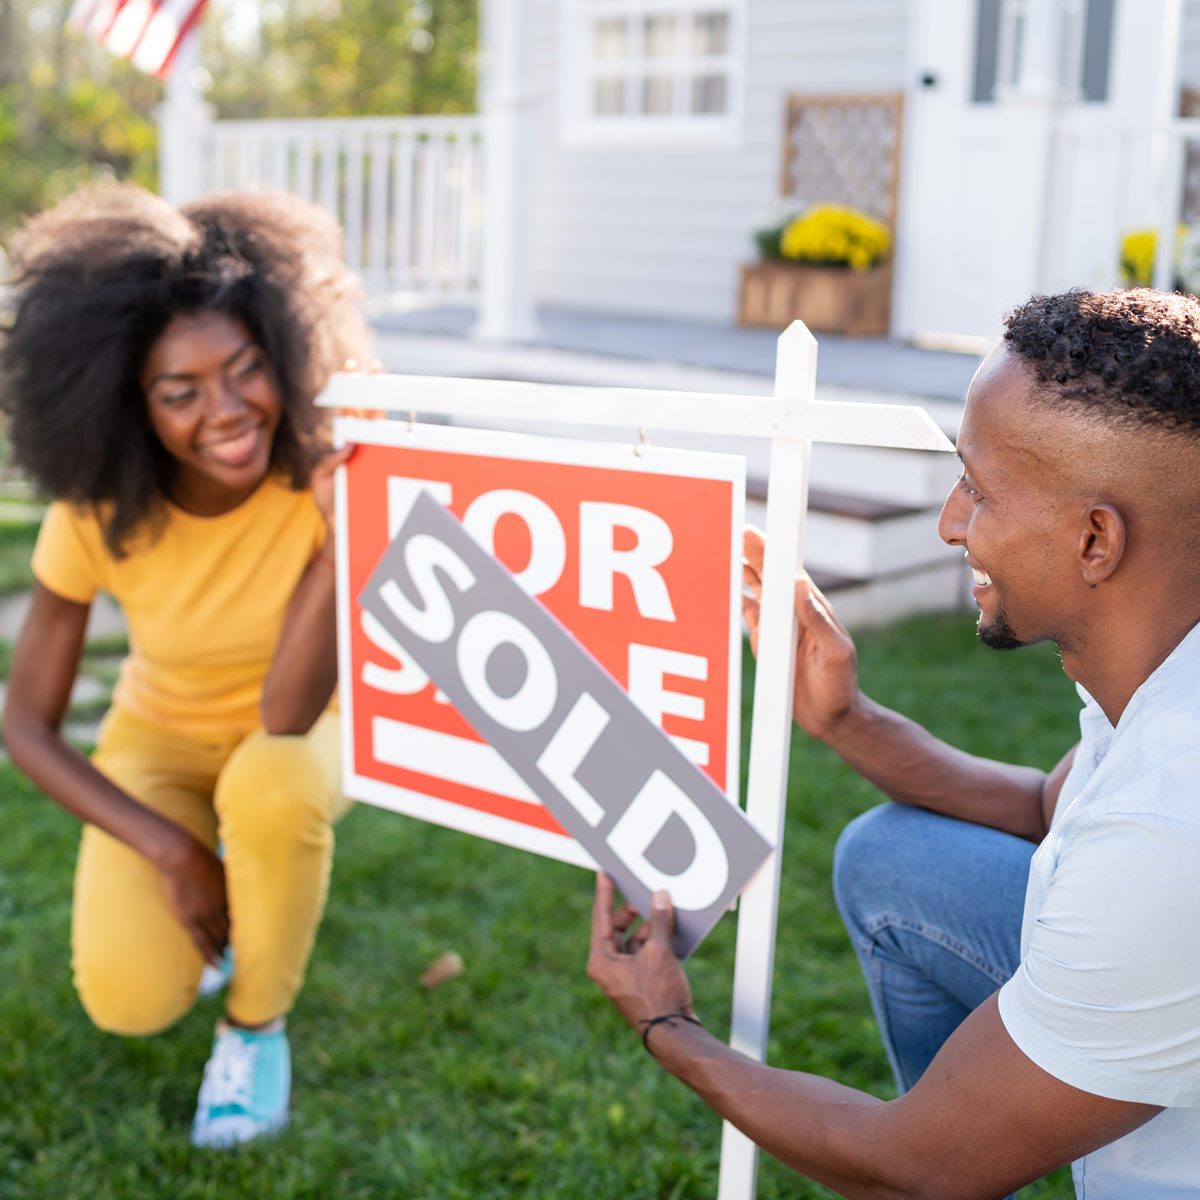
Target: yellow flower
{"x":829,"y":233}
{"x":1138,"y":250}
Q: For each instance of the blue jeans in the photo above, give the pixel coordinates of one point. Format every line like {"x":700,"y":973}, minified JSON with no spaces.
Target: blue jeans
{"x":933,"y":907}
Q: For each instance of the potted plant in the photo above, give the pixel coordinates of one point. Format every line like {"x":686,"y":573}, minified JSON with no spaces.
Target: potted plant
{"x":828,"y":265}
{"x":771,"y":225}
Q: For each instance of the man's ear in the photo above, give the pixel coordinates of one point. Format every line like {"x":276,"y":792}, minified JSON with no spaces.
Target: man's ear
{"x":1101,"y":543}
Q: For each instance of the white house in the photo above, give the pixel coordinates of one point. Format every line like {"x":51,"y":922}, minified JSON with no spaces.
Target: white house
{"x":1029,"y":141}
{"x":624,"y":148}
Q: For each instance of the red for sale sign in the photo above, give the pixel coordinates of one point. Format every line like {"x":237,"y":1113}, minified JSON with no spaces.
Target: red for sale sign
{"x":636,"y":551}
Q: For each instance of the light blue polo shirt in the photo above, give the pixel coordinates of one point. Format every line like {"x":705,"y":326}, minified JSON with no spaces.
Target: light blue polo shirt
{"x":1107,"y":996}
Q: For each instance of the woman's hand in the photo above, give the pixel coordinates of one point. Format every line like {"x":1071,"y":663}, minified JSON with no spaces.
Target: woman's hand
{"x":826,"y":681}
{"x":194,"y":883}
{"x":321,"y":480}
{"x":303,"y":671}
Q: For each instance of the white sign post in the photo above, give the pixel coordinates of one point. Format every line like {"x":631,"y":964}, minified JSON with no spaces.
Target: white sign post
{"x":791,"y":420}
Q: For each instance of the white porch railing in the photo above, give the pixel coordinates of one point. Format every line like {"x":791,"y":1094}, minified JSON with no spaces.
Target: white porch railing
{"x":408,"y":191}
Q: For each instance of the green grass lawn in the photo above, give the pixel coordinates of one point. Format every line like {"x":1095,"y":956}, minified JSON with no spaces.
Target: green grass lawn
{"x":515,"y":1079}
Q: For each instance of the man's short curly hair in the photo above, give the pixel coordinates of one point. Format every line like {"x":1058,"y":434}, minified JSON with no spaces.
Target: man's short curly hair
{"x":1131,"y":356}
{"x":96,"y":281}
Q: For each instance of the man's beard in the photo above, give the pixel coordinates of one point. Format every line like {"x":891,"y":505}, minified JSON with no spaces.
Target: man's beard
{"x":998,"y":634}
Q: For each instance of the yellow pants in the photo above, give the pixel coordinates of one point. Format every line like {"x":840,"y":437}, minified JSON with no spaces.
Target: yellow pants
{"x":272,"y":802}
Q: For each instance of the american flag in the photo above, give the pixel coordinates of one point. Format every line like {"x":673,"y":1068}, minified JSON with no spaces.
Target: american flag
{"x":146,"y":32}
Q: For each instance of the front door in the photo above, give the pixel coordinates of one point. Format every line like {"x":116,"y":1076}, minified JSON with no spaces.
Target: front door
{"x":1002,"y":196}
{"x":951,"y":197}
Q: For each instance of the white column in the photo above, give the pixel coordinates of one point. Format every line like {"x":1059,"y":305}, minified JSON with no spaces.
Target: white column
{"x":184,"y":122}
{"x":508,"y":106}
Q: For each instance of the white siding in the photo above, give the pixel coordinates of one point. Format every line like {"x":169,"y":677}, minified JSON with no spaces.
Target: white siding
{"x":661,"y":229}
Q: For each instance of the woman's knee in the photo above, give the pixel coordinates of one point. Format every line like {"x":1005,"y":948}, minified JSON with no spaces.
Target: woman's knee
{"x":131,"y":1003}
{"x":273,"y":785}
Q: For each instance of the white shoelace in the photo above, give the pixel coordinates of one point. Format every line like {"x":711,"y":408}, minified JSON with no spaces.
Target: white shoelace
{"x":229,"y":1076}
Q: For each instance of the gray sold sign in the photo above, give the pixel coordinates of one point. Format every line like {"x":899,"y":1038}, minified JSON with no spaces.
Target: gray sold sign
{"x":601,"y":767}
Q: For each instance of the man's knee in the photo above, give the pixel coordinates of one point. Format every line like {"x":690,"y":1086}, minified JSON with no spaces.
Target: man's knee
{"x":273,"y":787}
{"x":863,"y":848}
{"x":882,"y":856}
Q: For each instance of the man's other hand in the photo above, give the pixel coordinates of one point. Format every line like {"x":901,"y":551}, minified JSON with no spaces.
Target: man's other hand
{"x":826,"y":683}
{"x":638,"y":970}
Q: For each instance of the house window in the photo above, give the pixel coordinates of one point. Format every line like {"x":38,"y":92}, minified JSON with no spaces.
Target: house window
{"x":1085,"y":36}
{"x":652,"y":70}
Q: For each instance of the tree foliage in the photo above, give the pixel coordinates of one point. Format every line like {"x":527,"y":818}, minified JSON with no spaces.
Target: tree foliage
{"x":313,"y":58}
{"x":70,"y":112}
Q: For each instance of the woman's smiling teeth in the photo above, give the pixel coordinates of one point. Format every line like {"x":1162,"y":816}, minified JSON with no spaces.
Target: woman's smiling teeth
{"x":235,"y":450}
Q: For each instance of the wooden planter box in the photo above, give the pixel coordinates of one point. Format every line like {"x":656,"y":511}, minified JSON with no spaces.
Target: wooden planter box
{"x":828,"y":299}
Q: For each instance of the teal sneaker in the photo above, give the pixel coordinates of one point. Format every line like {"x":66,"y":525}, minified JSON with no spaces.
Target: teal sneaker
{"x":246,"y":1086}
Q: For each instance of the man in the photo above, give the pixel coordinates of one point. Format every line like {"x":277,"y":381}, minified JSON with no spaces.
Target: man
{"x":1078,"y":510}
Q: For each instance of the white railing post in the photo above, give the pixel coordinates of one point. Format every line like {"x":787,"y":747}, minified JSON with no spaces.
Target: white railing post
{"x":431,"y":168}
{"x":376,"y":269}
{"x":402,"y":209}
{"x":508,"y":108}
{"x":465,"y":212}
{"x":352,"y":197}
{"x":184,"y":129}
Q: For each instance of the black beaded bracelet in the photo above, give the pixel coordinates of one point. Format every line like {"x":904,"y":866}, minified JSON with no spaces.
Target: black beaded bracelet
{"x":669,"y":1019}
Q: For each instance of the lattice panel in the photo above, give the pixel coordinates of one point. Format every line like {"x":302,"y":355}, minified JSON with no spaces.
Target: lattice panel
{"x":844,"y":150}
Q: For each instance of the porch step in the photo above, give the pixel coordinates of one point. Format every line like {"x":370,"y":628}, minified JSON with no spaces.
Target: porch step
{"x":855,"y":537}
{"x":856,"y":506}
{"x":829,"y":583}
{"x":911,"y":477}
{"x":865,"y":603}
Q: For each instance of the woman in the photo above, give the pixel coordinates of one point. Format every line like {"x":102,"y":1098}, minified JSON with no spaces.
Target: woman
{"x":158,"y":375}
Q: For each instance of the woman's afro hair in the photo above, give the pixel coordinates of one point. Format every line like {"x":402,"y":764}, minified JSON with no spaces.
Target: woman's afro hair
{"x":1130,"y":356}
{"x":97,"y":279}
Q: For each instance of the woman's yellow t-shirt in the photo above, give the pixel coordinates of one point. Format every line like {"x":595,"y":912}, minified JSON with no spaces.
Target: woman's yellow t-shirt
{"x":204,"y":600}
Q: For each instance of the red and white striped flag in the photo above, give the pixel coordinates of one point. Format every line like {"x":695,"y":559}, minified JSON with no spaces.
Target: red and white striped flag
{"x":146,"y":32}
